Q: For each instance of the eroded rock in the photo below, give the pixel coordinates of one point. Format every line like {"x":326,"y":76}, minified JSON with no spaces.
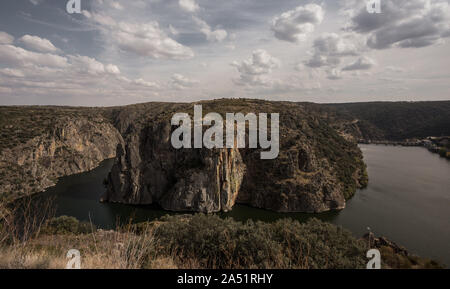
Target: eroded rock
{"x":316,"y":170}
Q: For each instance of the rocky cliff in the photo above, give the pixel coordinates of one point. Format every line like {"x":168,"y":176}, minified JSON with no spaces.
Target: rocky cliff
{"x":69,"y":144}
{"x":149,"y":170}
{"x":317,"y":169}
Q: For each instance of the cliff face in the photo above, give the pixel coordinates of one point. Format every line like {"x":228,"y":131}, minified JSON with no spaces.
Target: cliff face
{"x":71,"y":145}
{"x":316,"y":170}
{"x":148,"y":169}
{"x":294,"y":182}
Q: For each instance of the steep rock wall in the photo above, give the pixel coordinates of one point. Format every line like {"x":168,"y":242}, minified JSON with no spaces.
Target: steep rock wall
{"x":317,"y":169}
{"x":73,"y":145}
{"x":149,"y":170}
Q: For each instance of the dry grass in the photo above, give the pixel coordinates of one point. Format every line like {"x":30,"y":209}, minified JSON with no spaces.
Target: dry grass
{"x":188,"y":242}
{"x":24,"y":219}
{"x":99,"y":250}
{"x":23,"y":245}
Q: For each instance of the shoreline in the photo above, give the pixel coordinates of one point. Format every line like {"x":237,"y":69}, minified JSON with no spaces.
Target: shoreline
{"x":436,"y":145}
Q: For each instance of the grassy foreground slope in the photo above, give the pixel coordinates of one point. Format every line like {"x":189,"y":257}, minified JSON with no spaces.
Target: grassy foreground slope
{"x":198,"y":241}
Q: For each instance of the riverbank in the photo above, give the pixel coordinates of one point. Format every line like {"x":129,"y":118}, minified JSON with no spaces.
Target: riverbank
{"x":438,"y":145}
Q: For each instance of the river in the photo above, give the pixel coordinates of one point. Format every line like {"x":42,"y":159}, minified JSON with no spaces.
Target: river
{"x":407,"y":200}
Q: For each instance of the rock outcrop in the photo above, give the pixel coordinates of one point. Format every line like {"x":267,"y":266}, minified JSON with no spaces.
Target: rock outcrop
{"x":380,"y":242}
{"x":72,"y":145}
{"x":294,"y":182}
{"x":149,"y":170}
{"x":317,"y":169}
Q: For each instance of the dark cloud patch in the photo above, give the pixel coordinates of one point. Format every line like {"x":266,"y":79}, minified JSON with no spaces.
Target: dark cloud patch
{"x":191,"y":39}
{"x":404,"y":23}
{"x":330,"y":48}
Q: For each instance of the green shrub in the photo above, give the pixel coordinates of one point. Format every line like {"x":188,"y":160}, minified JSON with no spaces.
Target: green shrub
{"x":401,"y":261}
{"x":85,"y":228}
{"x":67,"y":225}
{"x":225,"y":243}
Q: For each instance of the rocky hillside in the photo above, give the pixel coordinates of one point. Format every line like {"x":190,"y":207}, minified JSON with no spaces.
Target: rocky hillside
{"x":317,"y":169}
{"x":395,"y":121}
{"x":319,"y":166}
{"x":41,"y":144}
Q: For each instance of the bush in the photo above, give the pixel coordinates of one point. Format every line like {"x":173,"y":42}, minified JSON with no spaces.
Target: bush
{"x":401,"y":261}
{"x":217,"y":243}
{"x":86,"y":228}
{"x":67,"y":225}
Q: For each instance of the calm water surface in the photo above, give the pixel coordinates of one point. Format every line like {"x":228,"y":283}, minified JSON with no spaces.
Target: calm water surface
{"x":407,"y":200}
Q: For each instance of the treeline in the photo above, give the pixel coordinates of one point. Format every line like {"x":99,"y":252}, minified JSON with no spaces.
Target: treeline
{"x":399,"y":120}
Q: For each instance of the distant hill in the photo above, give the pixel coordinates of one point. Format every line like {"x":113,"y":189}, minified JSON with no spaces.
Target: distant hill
{"x":398,"y":120}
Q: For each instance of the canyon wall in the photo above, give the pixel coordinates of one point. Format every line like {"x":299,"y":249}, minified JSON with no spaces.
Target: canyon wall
{"x":72,"y":145}
{"x":317,"y":169}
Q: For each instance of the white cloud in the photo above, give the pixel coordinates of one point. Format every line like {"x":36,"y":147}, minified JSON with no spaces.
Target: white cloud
{"x":5,"y":90}
{"x":392,"y":68}
{"x":231,"y":46}
{"x":116,"y":5}
{"x":256,"y":69}
{"x":143,"y":82}
{"x":189,"y":5}
{"x":31,"y":73}
{"x":173,"y":30}
{"x":112,"y":69}
{"x":212,"y":35}
{"x":85,"y":64}
{"x":295,"y":25}
{"x":36,"y":2}
{"x":11,"y":72}
{"x":179,"y":81}
{"x":334,"y":74}
{"x":143,"y":39}
{"x":17,"y":56}
{"x":362,"y":63}
{"x":5,"y":38}
{"x":38,"y":44}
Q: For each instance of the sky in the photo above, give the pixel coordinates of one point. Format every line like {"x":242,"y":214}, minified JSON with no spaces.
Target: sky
{"x":122,"y":52}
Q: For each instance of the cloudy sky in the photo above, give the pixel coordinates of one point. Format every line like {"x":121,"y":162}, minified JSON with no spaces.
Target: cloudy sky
{"x":121,"y":52}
